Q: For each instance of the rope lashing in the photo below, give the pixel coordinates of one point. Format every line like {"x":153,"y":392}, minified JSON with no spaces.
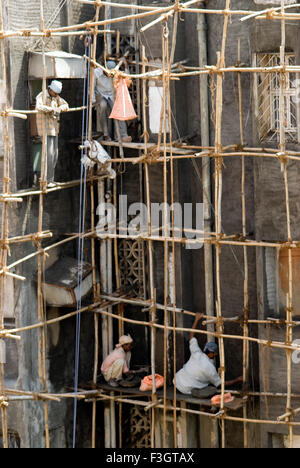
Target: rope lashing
{"x":3,"y":402}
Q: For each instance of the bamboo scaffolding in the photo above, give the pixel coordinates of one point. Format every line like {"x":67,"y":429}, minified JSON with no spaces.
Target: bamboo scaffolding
{"x":220,"y":415}
{"x":169,"y":153}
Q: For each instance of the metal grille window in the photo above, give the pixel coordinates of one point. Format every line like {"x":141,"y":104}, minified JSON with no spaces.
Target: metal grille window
{"x":267,"y":103}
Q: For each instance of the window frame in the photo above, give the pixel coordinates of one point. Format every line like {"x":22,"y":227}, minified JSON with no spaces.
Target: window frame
{"x":266,"y":123}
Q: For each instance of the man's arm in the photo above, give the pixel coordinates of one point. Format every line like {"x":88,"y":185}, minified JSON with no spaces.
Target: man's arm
{"x":63,"y":105}
{"x":198,"y":317}
{"x":41,"y":107}
{"x":125,"y":63}
{"x":229,"y":383}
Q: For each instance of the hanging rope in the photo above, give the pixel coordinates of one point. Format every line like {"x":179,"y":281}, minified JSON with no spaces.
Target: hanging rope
{"x":81,"y":228}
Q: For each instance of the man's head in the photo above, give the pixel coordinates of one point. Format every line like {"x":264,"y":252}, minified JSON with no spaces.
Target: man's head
{"x":55,"y":88}
{"x":111,"y":64}
{"x":211,"y":350}
{"x":125,"y":342}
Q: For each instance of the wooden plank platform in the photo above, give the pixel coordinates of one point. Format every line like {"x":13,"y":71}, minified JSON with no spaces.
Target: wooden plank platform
{"x":235,"y":405}
{"x":141,"y":146}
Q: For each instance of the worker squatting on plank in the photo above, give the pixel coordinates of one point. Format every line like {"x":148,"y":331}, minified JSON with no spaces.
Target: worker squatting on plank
{"x":104,"y":99}
{"x":117,"y":362}
{"x":51,"y":109}
{"x":199,"y":376}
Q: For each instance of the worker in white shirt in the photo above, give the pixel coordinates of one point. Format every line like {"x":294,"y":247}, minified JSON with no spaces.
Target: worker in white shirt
{"x":104,"y":98}
{"x":199,"y":376}
{"x":48,"y":120}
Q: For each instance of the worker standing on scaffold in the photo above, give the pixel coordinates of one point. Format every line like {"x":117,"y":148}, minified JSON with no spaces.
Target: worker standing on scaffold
{"x":51,"y":108}
{"x":104,"y":98}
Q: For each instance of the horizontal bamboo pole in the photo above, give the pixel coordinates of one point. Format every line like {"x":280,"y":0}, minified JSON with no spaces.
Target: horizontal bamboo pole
{"x":29,"y":238}
{"x":26,"y":33}
{"x":36,"y":395}
{"x":288,"y":414}
{"x":60,"y":186}
{"x":253,"y":14}
{"x":200,"y":413}
{"x":120,"y":5}
{"x":50,"y":322}
{"x":92,"y":24}
{"x":208,"y":70}
{"x":8,"y":335}
{"x":247,"y":243}
{"x":185,"y":241}
{"x":110,"y":300}
{"x":11,"y":200}
{"x":270,"y":344}
{"x":44,"y":251}
{"x":13,"y":275}
{"x":72,"y":109}
{"x":148,"y":304}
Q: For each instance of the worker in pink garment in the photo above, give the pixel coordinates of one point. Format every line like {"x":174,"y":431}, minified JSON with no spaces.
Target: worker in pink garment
{"x":117,"y":362}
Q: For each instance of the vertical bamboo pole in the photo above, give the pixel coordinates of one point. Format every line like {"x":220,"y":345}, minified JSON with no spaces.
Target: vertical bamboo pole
{"x":4,"y":229}
{"x":103,"y":277}
{"x":246,"y":273}
{"x":150,"y":250}
{"x":282,"y":149}
{"x":43,"y":184}
{"x":165,"y":46}
{"x":172,"y":279}
{"x":206,"y":171}
{"x":218,"y":205}
{"x":93,"y":247}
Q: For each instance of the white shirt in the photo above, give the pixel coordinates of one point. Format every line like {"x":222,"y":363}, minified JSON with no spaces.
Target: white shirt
{"x":198,"y":372}
{"x":103,"y":85}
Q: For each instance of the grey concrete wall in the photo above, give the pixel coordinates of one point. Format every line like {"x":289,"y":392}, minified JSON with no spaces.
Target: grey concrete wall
{"x":266,"y":217}
{"x":61,"y":217}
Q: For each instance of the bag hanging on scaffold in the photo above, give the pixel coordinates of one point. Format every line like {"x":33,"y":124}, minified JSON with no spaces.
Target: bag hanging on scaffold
{"x":123,"y":108}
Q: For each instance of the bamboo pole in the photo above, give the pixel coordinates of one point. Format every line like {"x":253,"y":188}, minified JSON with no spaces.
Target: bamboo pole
{"x":152,"y":291}
{"x":165,"y":45}
{"x":4,"y":232}
{"x":93,"y":246}
{"x":172,"y":278}
{"x":246,"y":273}
{"x":41,"y":311}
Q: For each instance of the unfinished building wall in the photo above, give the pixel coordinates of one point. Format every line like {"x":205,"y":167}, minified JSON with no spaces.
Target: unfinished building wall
{"x":60,"y":216}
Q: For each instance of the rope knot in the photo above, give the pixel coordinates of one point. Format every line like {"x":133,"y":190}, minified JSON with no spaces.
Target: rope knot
{"x":282,"y":157}
{"x":3,"y":402}
{"x":88,"y":26}
{"x":178,"y":7}
{"x":270,"y":14}
{"x":25,"y":33}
